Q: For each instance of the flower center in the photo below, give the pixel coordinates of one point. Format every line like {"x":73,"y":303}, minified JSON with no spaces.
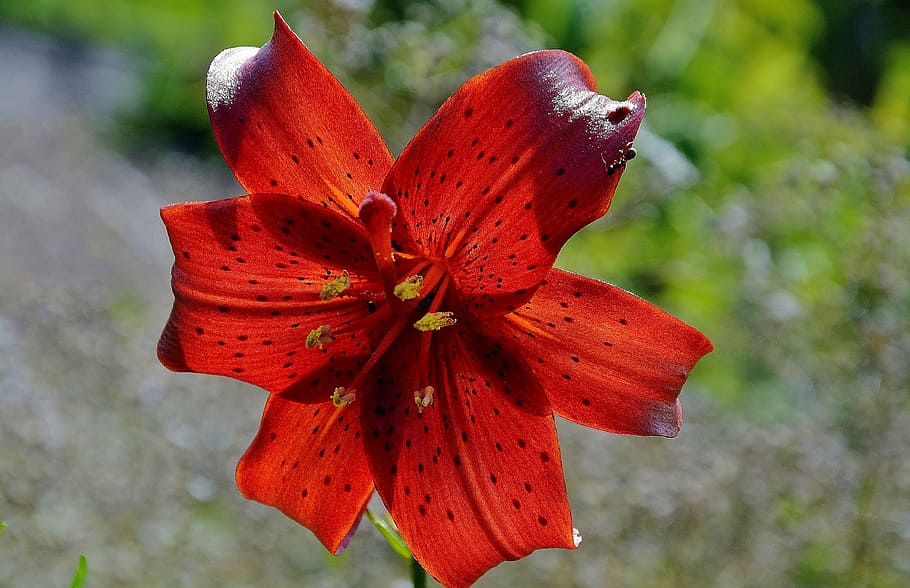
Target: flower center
{"x":415,"y":290}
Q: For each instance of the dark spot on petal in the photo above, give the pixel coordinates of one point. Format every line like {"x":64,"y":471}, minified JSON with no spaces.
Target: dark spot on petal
{"x":618,"y":115}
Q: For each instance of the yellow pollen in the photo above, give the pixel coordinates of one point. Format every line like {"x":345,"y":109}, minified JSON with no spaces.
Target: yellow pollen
{"x":321,"y":335}
{"x":343,"y":397}
{"x":410,"y":288}
{"x":423,"y":398}
{"x":334,"y":288}
{"x":433,"y":321}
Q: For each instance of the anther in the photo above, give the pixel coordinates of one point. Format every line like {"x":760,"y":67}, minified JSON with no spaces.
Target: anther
{"x":343,"y":397}
{"x":321,"y":335}
{"x":334,"y":288}
{"x":433,"y":321}
{"x":423,"y":398}
{"x":410,"y":288}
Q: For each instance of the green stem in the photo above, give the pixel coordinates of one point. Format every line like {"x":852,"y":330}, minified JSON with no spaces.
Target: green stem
{"x":418,"y":574}
{"x":390,"y":533}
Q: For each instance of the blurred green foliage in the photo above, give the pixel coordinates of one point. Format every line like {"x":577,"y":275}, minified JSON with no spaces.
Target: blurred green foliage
{"x":770,"y":206}
{"x":80,"y":573}
{"x":711,"y":56}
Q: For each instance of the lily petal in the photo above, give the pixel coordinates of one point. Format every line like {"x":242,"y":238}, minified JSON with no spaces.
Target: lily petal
{"x":285,"y":124}
{"x":606,"y":358}
{"x":308,"y":461}
{"x":247,"y":280}
{"x":475,"y":478}
{"x":513,"y":164}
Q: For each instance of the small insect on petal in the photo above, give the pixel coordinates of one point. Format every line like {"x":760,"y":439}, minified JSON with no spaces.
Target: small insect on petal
{"x":424,"y":398}
{"x":576,"y":536}
{"x":343,"y":397}
{"x":334,"y":288}
{"x":433,"y":321}
{"x":410,"y":288}
{"x":321,"y":335}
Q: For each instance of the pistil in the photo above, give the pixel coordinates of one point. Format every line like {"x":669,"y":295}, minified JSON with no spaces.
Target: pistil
{"x":376,"y":212}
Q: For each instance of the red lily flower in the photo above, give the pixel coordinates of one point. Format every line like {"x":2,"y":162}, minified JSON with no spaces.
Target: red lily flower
{"x":405,"y":315}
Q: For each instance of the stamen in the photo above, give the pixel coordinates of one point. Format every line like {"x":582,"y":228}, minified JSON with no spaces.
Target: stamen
{"x":424,"y":398}
{"x":321,"y":335}
{"x":334,"y":288}
{"x":433,"y":321}
{"x":388,"y":338}
{"x":342,"y":397}
{"x":410,"y":288}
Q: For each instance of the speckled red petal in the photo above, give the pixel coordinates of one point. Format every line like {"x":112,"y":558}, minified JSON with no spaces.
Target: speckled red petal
{"x":285,"y":124}
{"x":511,"y":166}
{"x":308,"y":461}
{"x":476,"y":478}
{"x":606,"y":358}
{"x":248,"y":278}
